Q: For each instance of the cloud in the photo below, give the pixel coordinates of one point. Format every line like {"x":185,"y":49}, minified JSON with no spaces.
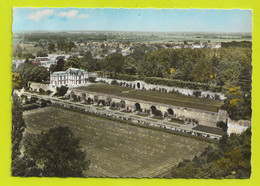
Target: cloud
{"x":69,"y":14}
{"x":83,"y":16}
{"x":40,"y":14}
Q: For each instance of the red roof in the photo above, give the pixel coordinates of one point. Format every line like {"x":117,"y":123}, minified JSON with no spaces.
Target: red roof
{"x":36,"y":62}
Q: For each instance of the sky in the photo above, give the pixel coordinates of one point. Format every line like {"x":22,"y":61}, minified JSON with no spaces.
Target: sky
{"x":154,"y":20}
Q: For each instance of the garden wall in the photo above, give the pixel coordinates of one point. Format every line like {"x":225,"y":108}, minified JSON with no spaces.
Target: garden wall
{"x":145,"y":86}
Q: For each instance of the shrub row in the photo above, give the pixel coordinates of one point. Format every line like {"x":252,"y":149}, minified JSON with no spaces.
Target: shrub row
{"x":182,"y":84}
{"x":31,"y":106}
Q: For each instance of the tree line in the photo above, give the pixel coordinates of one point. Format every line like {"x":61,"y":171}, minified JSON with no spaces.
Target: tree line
{"x":223,"y":67}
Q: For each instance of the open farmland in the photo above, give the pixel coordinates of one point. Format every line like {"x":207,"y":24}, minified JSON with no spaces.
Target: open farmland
{"x":158,"y":97}
{"x":117,"y":149}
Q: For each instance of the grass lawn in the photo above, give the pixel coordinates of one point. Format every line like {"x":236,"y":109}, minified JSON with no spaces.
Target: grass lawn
{"x":158,"y":97}
{"x":116,"y":148}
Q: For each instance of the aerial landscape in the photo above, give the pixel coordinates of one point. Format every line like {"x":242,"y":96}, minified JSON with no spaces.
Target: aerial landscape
{"x":142,"y":93}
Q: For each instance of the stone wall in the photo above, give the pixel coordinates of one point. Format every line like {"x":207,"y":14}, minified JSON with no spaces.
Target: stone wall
{"x":145,"y":86}
{"x":36,"y":86}
{"x":187,"y":114}
{"x":237,"y":126}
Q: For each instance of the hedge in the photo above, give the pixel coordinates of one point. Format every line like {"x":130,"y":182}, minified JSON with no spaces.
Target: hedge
{"x":163,"y":81}
{"x":182,"y":84}
{"x":31,"y":106}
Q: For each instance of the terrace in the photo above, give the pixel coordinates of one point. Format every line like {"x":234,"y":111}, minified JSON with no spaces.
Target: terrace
{"x":158,"y":97}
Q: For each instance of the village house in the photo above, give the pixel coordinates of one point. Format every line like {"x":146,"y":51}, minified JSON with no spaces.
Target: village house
{"x":72,"y":77}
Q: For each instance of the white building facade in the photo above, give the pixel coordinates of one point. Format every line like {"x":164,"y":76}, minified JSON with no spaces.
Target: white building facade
{"x":72,"y":77}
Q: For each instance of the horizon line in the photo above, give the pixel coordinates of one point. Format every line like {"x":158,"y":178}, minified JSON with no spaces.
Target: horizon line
{"x":128,"y":31}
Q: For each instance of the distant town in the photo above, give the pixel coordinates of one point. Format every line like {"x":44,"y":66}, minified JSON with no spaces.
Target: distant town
{"x":108,"y":43}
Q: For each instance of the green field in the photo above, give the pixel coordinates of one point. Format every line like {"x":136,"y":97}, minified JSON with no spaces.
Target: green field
{"x":115,"y":148}
{"x":158,"y":97}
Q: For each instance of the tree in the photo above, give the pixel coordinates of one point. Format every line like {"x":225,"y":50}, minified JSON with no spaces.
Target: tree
{"x":42,"y":53}
{"x":245,"y":79}
{"x":58,"y":67}
{"x":18,"y":125}
{"x":52,"y":68}
{"x":17,"y":82}
{"x":228,"y":73}
{"x":238,"y":104}
{"x":60,"y":64}
{"x":139,"y":52}
{"x":51,"y":47}
{"x":73,"y":62}
{"x":39,"y":74}
{"x":172,"y":70}
{"x":222,"y":125}
{"x":202,"y":71}
{"x":87,"y":62}
{"x":22,"y":166}
{"x":30,"y":72}
{"x":183,"y":70}
{"x":69,"y":46}
{"x":115,"y":62}
{"x":61,"y":91}
{"x":236,"y":54}
{"x":28,"y":55}
{"x":58,"y":152}
{"x":158,"y":63}
{"x":65,"y":46}
{"x":130,"y":65}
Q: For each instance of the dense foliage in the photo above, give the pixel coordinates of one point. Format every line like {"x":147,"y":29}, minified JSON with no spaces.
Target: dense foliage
{"x":57,"y":152}
{"x":245,"y":44}
{"x":18,"y":125}
{"x":183,"y":84}
{"x":58,"y":67}
{"x":238,"y":104}
{"x":30,"y":72}
{"x":61,"y":91}
{"x":216,"y":67}
{"x":16,"y":81}
{"x":20,"y":166}
{"x":229,"y":158}
{"x":224,"y":67}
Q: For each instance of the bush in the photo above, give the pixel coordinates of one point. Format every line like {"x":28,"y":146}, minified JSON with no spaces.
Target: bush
{"x":31,"y":106}
{"x":217,"y":97}
{"x":61,"y":91}
{"x":41,"y":91}
{"x":222,"y":125}
{"x":92,"y":79}
{"x":197,"y":93}
{"x":114,"y":82}
{"x":158,"y":113}
{"x":126,"y":77}
{"x":75,"y":97}
{"x":48,"y":92}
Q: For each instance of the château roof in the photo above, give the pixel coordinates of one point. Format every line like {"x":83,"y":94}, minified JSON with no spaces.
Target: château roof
{"x":70,"y":71}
